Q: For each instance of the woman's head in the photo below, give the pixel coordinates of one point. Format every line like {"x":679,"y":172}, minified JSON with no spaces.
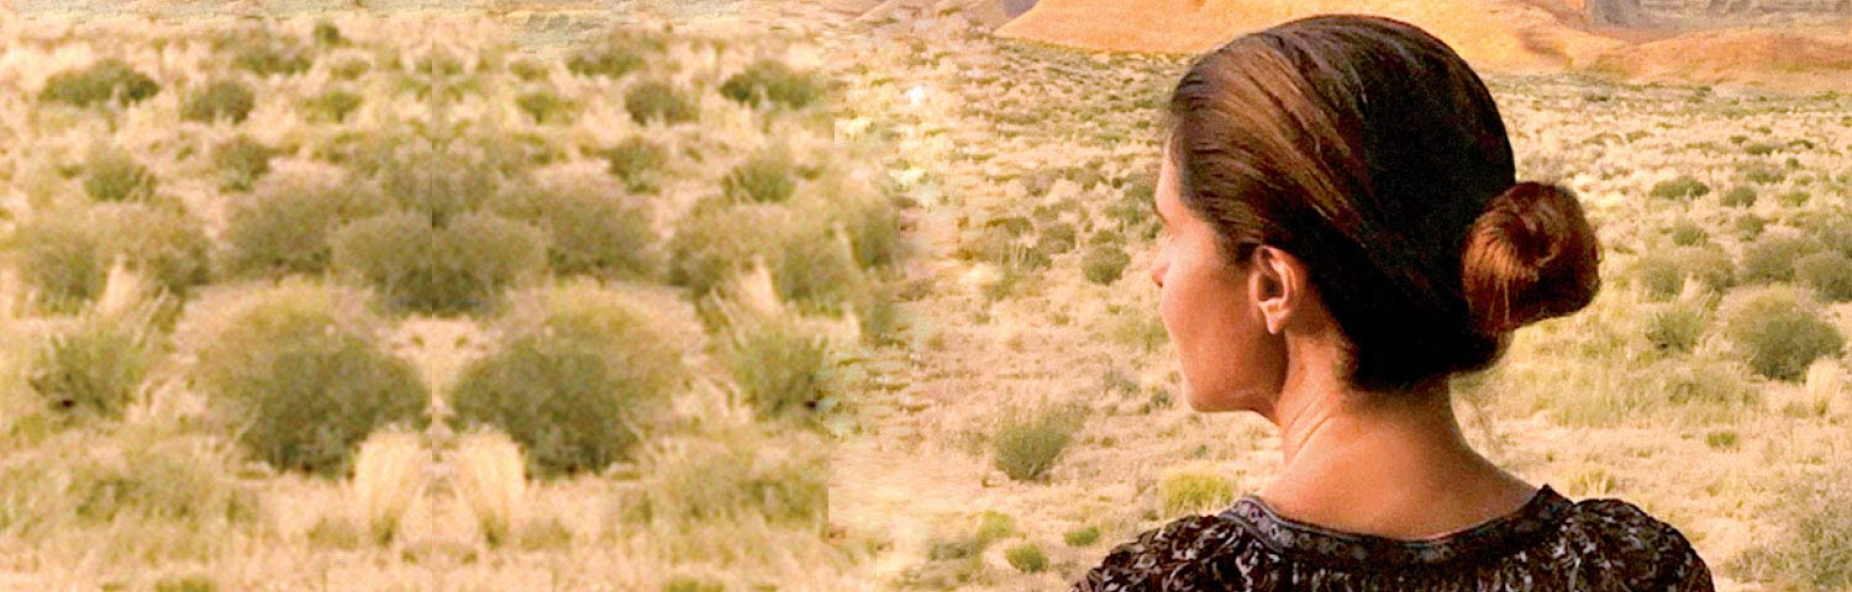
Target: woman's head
{"x":1350,"y":175}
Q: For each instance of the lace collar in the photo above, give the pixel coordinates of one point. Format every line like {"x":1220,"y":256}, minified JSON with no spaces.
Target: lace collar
{"x":1309,"y":541}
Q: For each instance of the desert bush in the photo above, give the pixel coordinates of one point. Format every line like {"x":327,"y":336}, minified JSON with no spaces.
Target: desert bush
{"x":112,"y":174}
{"x":1103,"y":264}
{"x":1794,"y":199}
{"x":186,"y":583}
{"x":715,"y":242}
{"x":459,"y":268}
{"x":590,"y":229}
{"x":1676,"y":327}
{"x":1191,"y":492}
{"x":284,"y":225}
{"x":815,"y":269}
{"x":1681,"y":187}
{"x":1026,"y":557}
{"x":298,"y":373}
{"x":546,"y":106}
{"x":444,"y":181}
{"x":60,"y":257}
{"x":167,"y":246}
{"x":638,"y":162}
{"x":262,"y":53}
{"x":770,"y":81}
{"x":1081,"y":537}
{"x":1778,"y":330}
{"x":734,"y":476}
{"x":241,"y":162}
{"x":1701,"y":382}
{"x":1685,"y":233}
{"x":95,"y":367}
{"x":1708,"y":264}
{"x":765,"y":177}
{"x":782,"y":369}
{"x":872,"y":225}
{"x":107,"y":80}
{"x":229,"y":100}
{"x":332,"y":106}
{"x":326,"y":34}
{"x":65,"y":490}
{"x":387,"y":480}
{"x":1814,"y":551}
{"x":618,"y":53}
{"x":1660,"y":274}
{"x":1748,"y":227}
{"x":1828,"y":273}
{"x":1058,"y":238}
{"x":1771,"y":257}
{"x":1740,"y":196}
{"x":1763,"y":174}
{"x":659,"y":101}
{"x":490,"y":480}
{"x":578,"y":377}
{"x":1027,"y":440}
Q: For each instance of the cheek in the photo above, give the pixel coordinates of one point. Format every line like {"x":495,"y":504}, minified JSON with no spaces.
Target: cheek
{"x":1202,"y":311}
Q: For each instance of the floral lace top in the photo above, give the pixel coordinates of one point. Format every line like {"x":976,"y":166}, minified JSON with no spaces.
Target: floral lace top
{"x":1550,"y":544}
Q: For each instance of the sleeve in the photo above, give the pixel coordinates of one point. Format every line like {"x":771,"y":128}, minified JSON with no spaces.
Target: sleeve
{"x":1150,"y":562}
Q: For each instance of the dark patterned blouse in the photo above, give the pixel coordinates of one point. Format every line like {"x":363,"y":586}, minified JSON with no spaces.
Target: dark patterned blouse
{"x":1551,"y":544}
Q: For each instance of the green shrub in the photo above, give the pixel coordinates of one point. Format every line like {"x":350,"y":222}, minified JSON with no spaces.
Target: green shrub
{"x":1779,"y":331}
{"x":1661,"y":275}
{"x":733,"y":477}
{"x":1709,"y":264}
{"x":169,"y":247}
{"x":304,"y":381}
{"x":1749,"y":226}
{"x":1081,"y":537}
{"x":765,"y":177}
{"x":1771,"y":258}
{"x":1740,"y":196}
{"x":772,"y":82}
{"x":259,"y":52}
{"x":619,"y":53}
{"x":1026,"y":558}
{"x":352,"y":68}
{"x":993,"y":526}
{"x":221,"y":100}
{"x":444,"y":181}
{"x":328,"y":35}
{"x":589,"y":231}
{"x":1103,"y":264}
{"x":638,"y":162}
{"x":1763,"y":173}
{"x":1681,"y":187}
{"x":1685,"y":233}
{"x":188,"y":583}
{"x":1194,"y":492}
{"x":107,"y":80}
{"x":546,"y":106}
{"x":692,"y":584}
{"x":78,"y":486}
{"x":112,"y":174}
{"x":872,"y":225}
{"x":284,"y":225}
{"x":1058,"y":238}
{"x":716,"y":242}
{"x":659,"y":101}
{"x":1028,"y":440}
{"x":241,"y":162}
{"x":93,"y":368}
{"x":1676,"y":328}
{"x":1814,"y":551}
{"x":1707,"y":383}
{"x":814,"y":269}
{"x":1828,"y":273}
{"x":332,"y":106}
{"x":1794,"y":199}
{"x":460,"y":268}
{"x":782,"y":369}
{"x":60,"y":257}
{"x":578,"y":378}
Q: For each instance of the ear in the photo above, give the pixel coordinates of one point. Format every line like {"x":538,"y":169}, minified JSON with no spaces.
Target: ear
{"x":1277,"y":285}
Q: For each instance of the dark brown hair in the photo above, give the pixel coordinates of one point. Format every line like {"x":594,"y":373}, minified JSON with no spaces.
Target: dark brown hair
{"x":1370,"y":150}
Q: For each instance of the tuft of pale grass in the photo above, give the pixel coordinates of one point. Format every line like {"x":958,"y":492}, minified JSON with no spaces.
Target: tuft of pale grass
{"x":490,"y":481}
{"x":1825,"y":382}
{"x":1194,"y":491}
{"x":388,"y":478}
{"x":1028,"y":440}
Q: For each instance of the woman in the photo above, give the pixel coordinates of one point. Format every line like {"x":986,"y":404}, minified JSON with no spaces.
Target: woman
{"x":1343,"y":232}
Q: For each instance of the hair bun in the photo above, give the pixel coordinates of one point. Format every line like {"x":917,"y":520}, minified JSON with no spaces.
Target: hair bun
{"x":1531,"y":256}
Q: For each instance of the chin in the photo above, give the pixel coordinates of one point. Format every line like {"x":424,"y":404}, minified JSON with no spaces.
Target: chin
{"x":1205,"y":402}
